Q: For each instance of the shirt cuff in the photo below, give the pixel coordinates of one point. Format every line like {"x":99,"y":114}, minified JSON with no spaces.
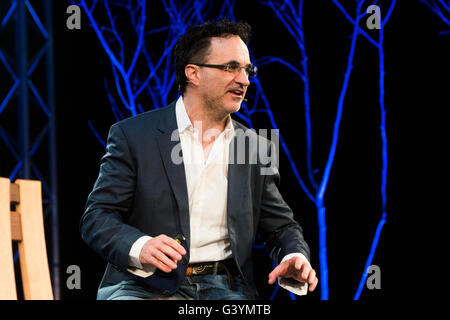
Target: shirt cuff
{"x":135,"y":265}
{"x":292,"y":285}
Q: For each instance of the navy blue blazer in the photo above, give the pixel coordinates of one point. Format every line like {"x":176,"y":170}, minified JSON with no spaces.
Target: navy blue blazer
{"x":141,"y":191}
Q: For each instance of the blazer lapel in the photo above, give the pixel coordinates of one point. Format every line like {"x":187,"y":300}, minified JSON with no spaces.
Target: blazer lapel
{"x":236,"y":179}
{"x":168,"y":139}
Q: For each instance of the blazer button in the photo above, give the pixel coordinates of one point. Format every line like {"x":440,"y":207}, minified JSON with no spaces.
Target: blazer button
{"x":184,"y":260}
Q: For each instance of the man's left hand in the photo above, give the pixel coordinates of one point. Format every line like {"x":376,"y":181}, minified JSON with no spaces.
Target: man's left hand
{"x":296,"y":268}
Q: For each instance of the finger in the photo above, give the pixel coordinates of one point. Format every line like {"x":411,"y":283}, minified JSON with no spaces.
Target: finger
{"x":312,"y":276}
{"x":298,"y":263}
{"x":164,"y":259}
{"x":273,"y":276}
{"x":174,"y":244}
{"x":170,"y":252}
{"x":158,"y":264}
{"x":305,"y":273}
{"x":280,"y":270}
{"x":272,"y":279}
{"x":313,"y":285}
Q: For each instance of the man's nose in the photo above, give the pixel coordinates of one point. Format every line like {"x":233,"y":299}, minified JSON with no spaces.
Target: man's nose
{"x":242,"y":77}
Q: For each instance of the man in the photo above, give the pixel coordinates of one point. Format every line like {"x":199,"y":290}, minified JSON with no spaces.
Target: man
{"x":173,"y":211}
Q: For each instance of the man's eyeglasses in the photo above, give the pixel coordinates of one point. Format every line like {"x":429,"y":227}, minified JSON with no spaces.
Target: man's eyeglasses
{"x":235,"y":68}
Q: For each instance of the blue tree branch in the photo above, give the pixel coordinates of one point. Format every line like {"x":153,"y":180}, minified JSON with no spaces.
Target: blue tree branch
{"x":379,"y":46}
{"x":352,"y":21}
{"x":432,"y":4}
{"x":141,"y":26}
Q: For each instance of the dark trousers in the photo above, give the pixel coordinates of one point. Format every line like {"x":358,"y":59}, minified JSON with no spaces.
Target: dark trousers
{"x":200,"y":287}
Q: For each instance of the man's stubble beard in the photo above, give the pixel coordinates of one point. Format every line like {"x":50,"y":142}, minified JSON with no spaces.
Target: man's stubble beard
{"x":215,"y":107}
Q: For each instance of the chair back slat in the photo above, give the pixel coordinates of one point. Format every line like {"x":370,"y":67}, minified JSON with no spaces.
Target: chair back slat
{"x":26,"y":226}
{"x":32,"y":250}
{"x":7,"y":278}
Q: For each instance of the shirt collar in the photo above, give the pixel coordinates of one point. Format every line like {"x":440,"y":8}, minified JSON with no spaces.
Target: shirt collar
{"x":185,"y":123}
{"x":183,"y":120}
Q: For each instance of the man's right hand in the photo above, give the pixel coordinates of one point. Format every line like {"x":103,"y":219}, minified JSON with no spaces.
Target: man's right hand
{"x":163,"y":252}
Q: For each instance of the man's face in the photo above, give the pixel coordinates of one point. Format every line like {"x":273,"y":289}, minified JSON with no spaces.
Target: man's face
{"x":223,"y":91}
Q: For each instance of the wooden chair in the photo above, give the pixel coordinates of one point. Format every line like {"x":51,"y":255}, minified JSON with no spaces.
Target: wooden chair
{"x":26,"y":226}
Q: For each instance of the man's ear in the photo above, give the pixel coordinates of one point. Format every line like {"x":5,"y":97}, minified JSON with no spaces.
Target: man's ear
{"x":192,"y":74}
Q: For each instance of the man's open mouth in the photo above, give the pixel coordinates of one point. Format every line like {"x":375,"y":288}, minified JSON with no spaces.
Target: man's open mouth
{"x":237,"y":93}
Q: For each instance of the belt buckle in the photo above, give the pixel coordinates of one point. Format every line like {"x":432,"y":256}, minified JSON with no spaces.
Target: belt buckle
{"x":200,"y":268}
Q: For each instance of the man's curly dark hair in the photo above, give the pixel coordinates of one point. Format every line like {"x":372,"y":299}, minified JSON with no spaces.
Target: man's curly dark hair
{"x":193,"y":45}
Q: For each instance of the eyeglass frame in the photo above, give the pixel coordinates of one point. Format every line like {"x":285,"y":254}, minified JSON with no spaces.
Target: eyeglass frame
{"x":231,"y":67}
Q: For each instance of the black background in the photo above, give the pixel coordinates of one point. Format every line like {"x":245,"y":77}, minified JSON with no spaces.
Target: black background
{"x":415,"y":86}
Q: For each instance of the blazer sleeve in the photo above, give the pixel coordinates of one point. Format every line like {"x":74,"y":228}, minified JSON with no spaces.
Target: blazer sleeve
{"x":281,"y":233}
{"x":102,"y":225}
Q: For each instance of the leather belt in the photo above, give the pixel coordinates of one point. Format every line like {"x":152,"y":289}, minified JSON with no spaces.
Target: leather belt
{"x":227,"y":267}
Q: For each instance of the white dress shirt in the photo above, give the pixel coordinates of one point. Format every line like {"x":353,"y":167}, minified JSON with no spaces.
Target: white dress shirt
{"x":207,"y":183}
